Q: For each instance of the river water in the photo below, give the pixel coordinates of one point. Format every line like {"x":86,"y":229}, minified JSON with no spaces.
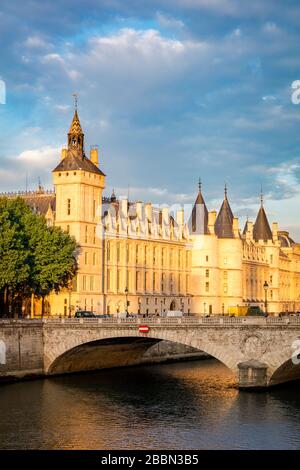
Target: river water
{"x":191,"y":405}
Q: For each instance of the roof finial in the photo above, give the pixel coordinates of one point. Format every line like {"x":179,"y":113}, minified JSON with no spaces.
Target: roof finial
{"x":225,"y":190}
{"x":75,"y":96}
{"x":261,"y":196}
{"x":200,"y":185}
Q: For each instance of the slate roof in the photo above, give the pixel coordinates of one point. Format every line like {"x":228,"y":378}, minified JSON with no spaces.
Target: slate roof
{"x":75,"y":161}
{"x":224,"y":222}
{"x":199,"y":211}
{"x":261,"y":228}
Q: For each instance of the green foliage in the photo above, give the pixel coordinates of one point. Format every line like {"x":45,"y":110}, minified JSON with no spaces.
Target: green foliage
{"x":33,"y":257}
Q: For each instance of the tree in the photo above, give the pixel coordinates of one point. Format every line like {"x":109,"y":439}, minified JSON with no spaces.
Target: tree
{"x":34,"y":258}
{"x":53,"y":257}
{"x":14,"y":253}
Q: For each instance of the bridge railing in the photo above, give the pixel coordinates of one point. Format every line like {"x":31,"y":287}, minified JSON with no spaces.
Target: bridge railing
{"x":164,"y":321}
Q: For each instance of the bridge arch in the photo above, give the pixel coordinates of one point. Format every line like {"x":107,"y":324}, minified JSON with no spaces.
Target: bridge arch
{"x":92,"y":350}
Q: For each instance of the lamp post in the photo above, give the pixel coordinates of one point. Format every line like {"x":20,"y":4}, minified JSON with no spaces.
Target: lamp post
{"x":266,"y":287}
{"x":126,"y":296}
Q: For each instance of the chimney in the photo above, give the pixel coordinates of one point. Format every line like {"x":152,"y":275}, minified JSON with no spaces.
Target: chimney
{"x":64,"y":153}
{"x":212,"y":217}
{"x":148,"y":211}
{"x":123,"y":215}
{"x":275,"y":231}
{"x":180,"y":217}
{"x":249,"y":233}
{"x":235,"y":227}
{"x":94,"y":155}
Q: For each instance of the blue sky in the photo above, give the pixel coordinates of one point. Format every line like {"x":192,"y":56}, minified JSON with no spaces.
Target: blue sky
{"x":170,"y":90}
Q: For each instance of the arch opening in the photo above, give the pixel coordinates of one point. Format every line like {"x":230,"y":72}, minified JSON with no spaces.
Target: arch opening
{"x":122,"y":351}
{"x":287,"y":372}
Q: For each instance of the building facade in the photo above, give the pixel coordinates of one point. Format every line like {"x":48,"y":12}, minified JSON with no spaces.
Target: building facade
{"x":135,"y":255}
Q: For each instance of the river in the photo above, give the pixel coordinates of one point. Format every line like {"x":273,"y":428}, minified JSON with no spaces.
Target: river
{"x":190,"y":405}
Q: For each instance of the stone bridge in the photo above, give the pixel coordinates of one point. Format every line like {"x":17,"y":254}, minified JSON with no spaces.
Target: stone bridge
{"x":260,"y":351}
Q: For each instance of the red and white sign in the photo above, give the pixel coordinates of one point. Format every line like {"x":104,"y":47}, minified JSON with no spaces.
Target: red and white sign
{"x":144,"y":329}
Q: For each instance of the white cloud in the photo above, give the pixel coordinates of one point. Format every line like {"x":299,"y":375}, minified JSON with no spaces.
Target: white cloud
{"x":271,"y":27}
{"x":36,"y":42}
{"x":167,"y":21}
{"x":41,"y":157}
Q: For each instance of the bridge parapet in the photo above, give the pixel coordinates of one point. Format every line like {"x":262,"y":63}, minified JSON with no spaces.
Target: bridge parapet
{"x":184,"y":321}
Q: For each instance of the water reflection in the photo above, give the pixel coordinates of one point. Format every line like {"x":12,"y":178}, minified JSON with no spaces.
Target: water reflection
{"x":180,"y":406}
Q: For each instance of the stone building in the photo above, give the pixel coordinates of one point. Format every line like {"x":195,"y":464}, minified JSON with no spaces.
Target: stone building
{"x":151,"y":260}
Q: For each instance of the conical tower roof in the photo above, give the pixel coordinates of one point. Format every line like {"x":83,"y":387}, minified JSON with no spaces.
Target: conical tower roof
{"x":261,"y":229}
{"x":200,"y":214}
{"x":224,"y":222}
{"x":75,"y":128}
{"x":246,"y":227}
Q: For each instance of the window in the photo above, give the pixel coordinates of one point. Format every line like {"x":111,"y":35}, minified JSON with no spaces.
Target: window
{"x":171,"y":282}
{"x":145,"y":258}
{"x":137,"y":254}
{"x":207,"y":273}
{"x":225,"y":260}
{"x":118,"y":253}
{"x":162,"y":282}
{"x":207,"y":287}
{"x":86,"y":258}
{"x":91,"y":283}
{"x":271,"y":279}
{"x":94,"y":208}
{"x":83,"y":282}
{"x":108,"y":251}
{"x":225,"y":275}
{"x":86,"y":234}
{"x":207,"y":259}
{"x":94,"y":236}
{"x":187,"y":283}
{"x":146,"y":281}
{"x":108,"y":279}
{"x":154,"y":282}
{"x":271,"y":259}
{"x":225,"y":288}
{"x":118,"y":280}
{"x":179,"y":283}
{"x":127,"y":253}
{"x":154,"y":256}
{"x":137,"y":278}
{"x":94,"y":259}
{"x":69,"y":206}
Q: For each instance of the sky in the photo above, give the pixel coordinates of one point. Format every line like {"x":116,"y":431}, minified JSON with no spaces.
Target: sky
{"x":170,"y":90}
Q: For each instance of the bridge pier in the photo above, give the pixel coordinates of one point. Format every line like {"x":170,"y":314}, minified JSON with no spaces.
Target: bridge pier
{"x":252,"y":375}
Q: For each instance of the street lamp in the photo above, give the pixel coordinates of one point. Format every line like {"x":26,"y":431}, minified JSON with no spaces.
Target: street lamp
{"x":126,"y":295}
{"x":266,"y":287}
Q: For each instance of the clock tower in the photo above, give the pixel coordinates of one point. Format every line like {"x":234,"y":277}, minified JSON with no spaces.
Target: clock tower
{"x":79,"y":184}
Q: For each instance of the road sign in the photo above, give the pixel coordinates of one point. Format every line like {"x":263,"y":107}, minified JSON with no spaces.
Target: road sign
{"x":144,"y":329}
